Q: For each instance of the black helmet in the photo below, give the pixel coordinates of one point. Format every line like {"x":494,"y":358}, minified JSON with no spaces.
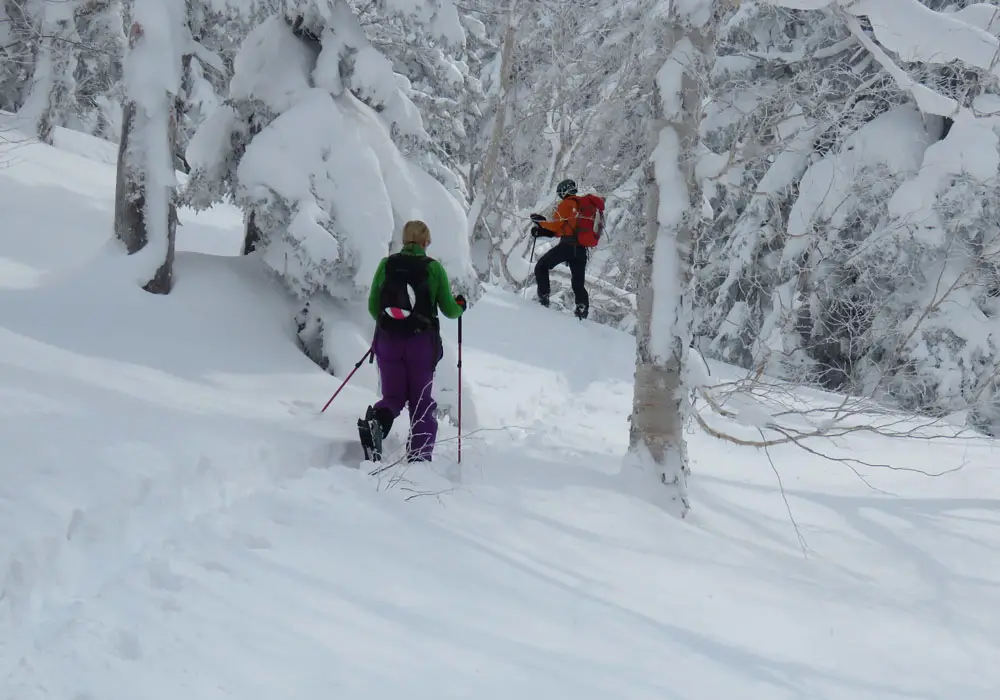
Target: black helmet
{"x":565,"y":189}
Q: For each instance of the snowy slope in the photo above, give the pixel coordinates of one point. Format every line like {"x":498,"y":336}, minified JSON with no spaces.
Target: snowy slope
{"x":179,"y":522}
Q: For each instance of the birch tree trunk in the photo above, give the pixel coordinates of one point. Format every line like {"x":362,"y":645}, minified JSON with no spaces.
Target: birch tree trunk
{"x":484,"y":188}
{"x":506,"y":61}
{"x":673,"y":215}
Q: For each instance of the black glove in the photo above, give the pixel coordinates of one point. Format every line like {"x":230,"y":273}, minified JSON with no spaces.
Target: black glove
{"x":537,"y":217}
{"x":460,"y":300}
{"x":539,"y":232}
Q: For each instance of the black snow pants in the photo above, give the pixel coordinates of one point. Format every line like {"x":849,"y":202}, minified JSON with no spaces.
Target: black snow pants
{"x":573,"y":255}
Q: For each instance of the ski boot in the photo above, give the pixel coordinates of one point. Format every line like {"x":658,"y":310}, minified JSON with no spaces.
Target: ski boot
{"x":370,"y":432}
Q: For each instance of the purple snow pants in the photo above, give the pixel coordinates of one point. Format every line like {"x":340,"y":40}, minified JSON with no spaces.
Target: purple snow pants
{"x":406,"y":365}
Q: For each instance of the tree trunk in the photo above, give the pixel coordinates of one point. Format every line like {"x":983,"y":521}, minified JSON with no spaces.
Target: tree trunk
{"x":251,"y":232}
{"x":657,"y":421}
{"x":488,"y":169}
{"x":506,"y":68}
{"x":130,"y":203}
{"x":253,"y":235}
{"x":660,"y":401}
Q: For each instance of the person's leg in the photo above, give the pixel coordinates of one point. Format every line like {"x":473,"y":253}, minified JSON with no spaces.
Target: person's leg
{"x":555,"y":256}
{"x":390,"y":354}
{"x":421,"y":360}
{"x":578,"y":275}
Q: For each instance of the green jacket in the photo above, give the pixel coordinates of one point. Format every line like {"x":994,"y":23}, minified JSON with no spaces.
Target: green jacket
{"x":437,"y":279}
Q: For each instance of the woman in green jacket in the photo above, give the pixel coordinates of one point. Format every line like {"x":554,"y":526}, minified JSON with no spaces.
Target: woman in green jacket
{"x":407,"y":291}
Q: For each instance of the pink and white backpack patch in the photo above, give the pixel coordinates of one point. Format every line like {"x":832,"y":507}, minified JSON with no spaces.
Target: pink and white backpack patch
{"x":400,"y":314}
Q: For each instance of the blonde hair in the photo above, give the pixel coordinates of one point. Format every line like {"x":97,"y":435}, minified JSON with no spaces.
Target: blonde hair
{"x":416,"y":232}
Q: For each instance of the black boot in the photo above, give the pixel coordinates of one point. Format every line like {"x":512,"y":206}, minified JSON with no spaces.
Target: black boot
{"x":582,"y":311}
{"x":543,"y":299}
{"x":372,"y":430}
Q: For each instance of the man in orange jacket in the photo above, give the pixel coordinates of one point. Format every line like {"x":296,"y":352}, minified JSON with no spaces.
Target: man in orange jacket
{"x":564,"y":227}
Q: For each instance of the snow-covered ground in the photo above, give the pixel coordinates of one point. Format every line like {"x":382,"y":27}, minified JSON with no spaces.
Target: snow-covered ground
{"x":179,"y":521}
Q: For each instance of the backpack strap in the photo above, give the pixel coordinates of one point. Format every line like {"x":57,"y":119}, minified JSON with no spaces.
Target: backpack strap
{"x":574,"y":238}
{"x":596,"y":220}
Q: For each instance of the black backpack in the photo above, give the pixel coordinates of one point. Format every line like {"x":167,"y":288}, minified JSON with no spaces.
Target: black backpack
{"x":405,"y":300}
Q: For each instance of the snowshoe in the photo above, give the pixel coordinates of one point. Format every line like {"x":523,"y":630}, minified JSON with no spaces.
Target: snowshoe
{"x":370,"y":433}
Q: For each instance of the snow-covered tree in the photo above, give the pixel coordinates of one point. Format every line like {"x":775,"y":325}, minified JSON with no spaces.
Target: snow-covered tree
{"x":62,"y":64}
{"x":789,"y":86}
{"x":17,"y":45}
{"x":98,"y":78}
{"x":429,"y":49}
{"x":218,"y":28}
{"x":145,"y":213}
{"x":51,"y":99}
{"x":312,"y":143}
{"x":853,"y":237}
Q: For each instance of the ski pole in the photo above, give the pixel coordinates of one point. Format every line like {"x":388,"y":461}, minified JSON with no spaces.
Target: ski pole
{"x":344,"y":383}
{"x":533,"y":242}
{"x":460,"y":389}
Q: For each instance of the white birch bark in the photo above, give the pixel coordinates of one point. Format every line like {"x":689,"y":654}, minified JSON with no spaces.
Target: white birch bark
{"x":657,"y":448}
{"x":488,"y":170}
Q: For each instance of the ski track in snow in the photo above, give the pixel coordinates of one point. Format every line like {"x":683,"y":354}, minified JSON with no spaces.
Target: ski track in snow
{"x":179,"y":521}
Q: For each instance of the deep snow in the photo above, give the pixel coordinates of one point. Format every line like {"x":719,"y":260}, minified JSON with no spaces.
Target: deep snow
{"x":179,"y":521}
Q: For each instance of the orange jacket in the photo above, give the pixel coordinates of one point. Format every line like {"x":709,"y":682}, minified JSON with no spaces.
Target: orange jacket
{"x":564,"y":220}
